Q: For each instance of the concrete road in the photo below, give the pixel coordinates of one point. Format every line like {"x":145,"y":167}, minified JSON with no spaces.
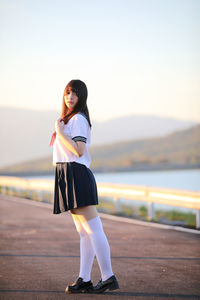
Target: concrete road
{"x":39,"y":256}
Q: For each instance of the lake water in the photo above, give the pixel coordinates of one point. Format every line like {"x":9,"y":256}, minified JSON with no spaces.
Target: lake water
{"x":176,"y":179}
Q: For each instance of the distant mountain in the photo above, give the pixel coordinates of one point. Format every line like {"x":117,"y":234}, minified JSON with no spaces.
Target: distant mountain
{"x":136,"y":127}
{"x":180,"y":149}
{"x":25,"y":134}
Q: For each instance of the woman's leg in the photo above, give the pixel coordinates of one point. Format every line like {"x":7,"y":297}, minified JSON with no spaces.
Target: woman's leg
{"x":92,"y":224}
{"x":85,"y":213}
{"x":86,"y":250}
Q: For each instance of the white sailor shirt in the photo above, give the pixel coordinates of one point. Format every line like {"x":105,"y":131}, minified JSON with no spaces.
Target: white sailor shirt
{"x":78,"y":129}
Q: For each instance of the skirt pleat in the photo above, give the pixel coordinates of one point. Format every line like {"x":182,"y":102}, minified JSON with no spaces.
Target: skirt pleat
{"x":75,"y":186}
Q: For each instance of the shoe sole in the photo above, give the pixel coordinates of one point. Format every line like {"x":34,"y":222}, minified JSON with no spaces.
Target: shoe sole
{"x":83,"y":291}
{"x":113,"y":286}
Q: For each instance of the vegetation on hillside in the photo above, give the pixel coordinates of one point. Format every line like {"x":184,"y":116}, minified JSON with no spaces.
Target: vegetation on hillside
{"x":180,"y":149}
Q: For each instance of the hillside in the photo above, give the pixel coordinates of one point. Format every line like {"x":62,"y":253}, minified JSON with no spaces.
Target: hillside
{"x":180,"y":149}
{"x":25,"y":134}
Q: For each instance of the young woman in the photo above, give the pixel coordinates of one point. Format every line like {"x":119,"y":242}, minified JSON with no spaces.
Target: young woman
{"x":76,"y":191}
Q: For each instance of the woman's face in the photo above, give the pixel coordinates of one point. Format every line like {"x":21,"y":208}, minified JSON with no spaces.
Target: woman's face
{"x":71,"y":99}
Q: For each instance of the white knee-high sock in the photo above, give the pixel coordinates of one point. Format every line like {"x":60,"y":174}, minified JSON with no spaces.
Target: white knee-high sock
{"x":100,"y":244}
{"x":86,"y":252}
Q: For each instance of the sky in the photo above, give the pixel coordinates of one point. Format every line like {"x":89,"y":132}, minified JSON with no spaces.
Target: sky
{"x":136,"y":57}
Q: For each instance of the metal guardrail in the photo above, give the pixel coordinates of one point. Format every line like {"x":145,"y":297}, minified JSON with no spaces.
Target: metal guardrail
{"x":151,"y":195}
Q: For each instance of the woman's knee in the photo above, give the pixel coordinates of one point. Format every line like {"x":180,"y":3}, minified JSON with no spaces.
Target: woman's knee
{"x":79,"y":227}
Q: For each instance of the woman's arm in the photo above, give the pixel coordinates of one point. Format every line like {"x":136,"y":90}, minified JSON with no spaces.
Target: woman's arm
{"x":78,"y":148}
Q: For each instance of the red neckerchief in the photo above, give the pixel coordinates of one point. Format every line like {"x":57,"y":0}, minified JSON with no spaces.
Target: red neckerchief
{"x":53,"y":137}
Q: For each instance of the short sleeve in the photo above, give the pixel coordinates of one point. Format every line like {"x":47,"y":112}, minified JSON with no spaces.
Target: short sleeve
{"x":79,"y":129}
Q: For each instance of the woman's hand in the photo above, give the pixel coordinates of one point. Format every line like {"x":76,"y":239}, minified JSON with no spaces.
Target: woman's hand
{"x":59,"y":125}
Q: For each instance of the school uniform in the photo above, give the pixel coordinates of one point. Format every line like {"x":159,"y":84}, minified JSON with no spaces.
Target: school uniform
{"x":75,"y":185}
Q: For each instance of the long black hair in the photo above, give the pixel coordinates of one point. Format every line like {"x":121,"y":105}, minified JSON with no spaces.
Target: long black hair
{"x":80,"y":89}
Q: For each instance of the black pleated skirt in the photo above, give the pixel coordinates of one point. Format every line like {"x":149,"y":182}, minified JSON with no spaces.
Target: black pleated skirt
{"x":75,"y":186}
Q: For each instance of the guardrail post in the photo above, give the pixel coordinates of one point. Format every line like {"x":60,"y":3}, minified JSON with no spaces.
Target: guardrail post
{"x":197,"y":218}
{"x":117,"y":204}
{"x":150,"y":210}
{"x":41,"y":195}
{"x":30,"y":194}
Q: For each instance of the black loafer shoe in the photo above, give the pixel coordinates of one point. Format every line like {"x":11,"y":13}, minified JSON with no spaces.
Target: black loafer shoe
{"x":110,"y":284}
{"x":79,"y":286}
